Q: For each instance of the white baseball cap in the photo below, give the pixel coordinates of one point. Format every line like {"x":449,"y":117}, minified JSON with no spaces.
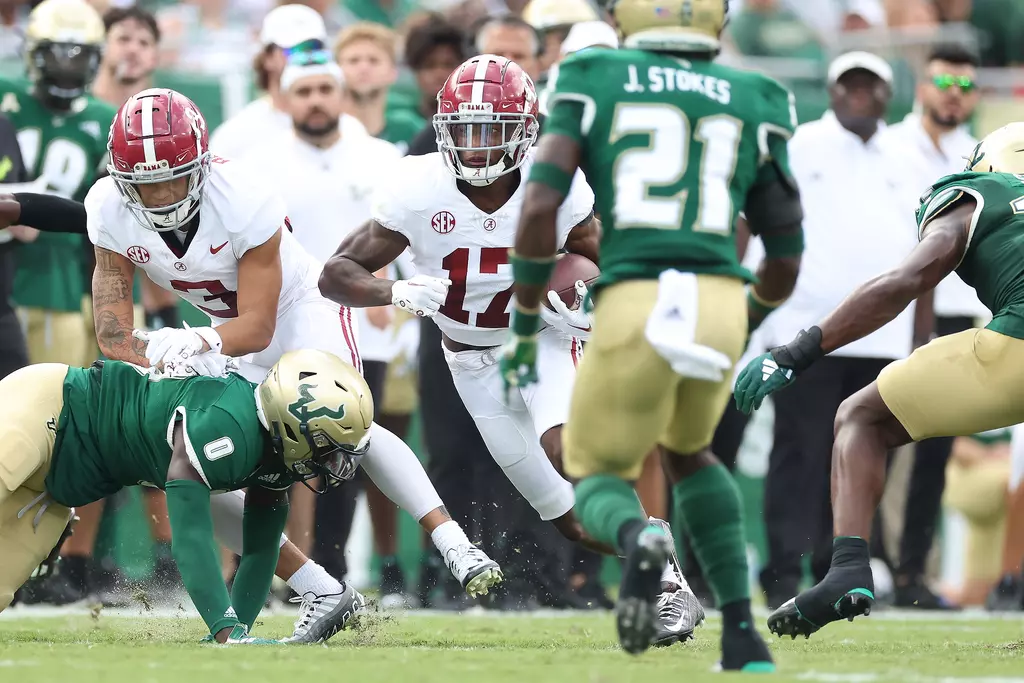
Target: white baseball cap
{"x":288,"y":25}
{"x":859,"y":60}
{"x":589,"y":34}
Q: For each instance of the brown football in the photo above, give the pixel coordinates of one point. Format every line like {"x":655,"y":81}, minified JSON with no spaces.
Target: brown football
{"x":569,"y":269}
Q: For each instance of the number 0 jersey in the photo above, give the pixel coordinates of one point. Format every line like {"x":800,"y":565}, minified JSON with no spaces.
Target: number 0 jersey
{"x":994,"y":260}
{"x":672,"y":148}
{"x":239,"y":212}
{"x":450,"y":237}
{"x":117,"y":425}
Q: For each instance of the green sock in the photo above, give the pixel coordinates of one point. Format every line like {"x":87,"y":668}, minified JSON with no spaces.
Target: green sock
{"x":604,"y":503}
{"x":707,"y":505}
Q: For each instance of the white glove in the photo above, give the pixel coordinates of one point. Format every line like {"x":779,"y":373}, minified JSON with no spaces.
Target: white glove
{"x":421,"y":295}
{"x":575,"y":322}
{"x":170,"y":344}
{"x":208,"y":364}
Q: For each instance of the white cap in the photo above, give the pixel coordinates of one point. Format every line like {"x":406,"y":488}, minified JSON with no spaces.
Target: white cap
{"x":589,"y":34}
{"x":288,"y":25}
{"x":859,"y":60}
{"x":293,"y":73}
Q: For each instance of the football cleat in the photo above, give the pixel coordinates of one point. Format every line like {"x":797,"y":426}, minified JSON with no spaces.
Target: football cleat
{"x":321,"y":616}
{"x":806,"y":613}
{"x":679,"y":613}
{"x":636,"y":613}
{"x":474,"y":570}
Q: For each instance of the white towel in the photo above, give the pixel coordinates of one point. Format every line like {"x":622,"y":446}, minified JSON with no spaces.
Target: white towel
{"x":672,"y":327}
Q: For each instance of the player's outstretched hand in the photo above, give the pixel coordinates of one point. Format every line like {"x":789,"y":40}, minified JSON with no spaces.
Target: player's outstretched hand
{"x":173,"y":345}
{"x":518,"y":363}
{"x":762,"y":376}
{"x":575,"y":322}
{"x":421,"y":295}
{"x":209,"y":364}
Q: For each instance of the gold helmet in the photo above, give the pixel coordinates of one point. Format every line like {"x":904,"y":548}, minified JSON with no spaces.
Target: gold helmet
{"x":318,"y":410}
{"x":63,"y":47}
{"x":548,"y":14}
{"x":671,"y":25}
{"x":1001,"y":151}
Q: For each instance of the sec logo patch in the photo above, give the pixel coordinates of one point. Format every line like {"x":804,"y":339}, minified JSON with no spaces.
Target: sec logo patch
{"x":443,"y":222}
{"x":138,"y":254}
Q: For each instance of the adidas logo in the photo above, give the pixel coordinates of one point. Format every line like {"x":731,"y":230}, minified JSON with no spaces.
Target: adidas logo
{"x":230,"y":613}
{"x":768,"y":368}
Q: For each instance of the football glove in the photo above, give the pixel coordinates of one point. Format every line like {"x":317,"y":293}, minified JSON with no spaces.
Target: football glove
{"x":170,"y":344}
{"x":575,"y":322}
{"x":518,"y":362}
{"x":421,"y":295}
{"x":208,"y":364}
{"x":762,"y":376}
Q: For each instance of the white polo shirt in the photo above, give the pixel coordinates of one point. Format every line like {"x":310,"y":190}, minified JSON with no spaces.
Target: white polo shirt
{"x":859,"y":200}
{"x":327,"y":192}
{"x":952,"y":297}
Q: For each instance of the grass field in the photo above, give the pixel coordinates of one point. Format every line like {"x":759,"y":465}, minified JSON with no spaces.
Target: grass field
{"x":82,"y":648}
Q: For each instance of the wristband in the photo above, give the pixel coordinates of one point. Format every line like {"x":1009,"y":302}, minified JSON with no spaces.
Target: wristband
{"x":531,"y":271}
{"x":759,"y":306}
{"x":548,"y":174}
{"x":800,"y":353}
{"x":524,"y":323}
{"x":211,"y":337}
{"x":786,"y":245}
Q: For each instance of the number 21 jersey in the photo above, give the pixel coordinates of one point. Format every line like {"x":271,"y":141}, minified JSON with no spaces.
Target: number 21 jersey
{"x":239,"y":212}
{"x":449,"y":237}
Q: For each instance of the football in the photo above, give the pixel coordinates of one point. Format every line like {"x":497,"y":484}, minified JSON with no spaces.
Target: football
{"x":568,"y":269}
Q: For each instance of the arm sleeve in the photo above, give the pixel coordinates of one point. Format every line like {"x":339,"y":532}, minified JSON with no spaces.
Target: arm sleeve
{"x":262,"y":527}
{"x":196,"y":553}
{"x":576,"y":208}
{"x":49,"y":213}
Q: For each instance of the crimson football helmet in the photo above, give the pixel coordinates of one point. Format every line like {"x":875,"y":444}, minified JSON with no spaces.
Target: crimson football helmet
{"x":486,"y":119}
{"x":159,"y":135}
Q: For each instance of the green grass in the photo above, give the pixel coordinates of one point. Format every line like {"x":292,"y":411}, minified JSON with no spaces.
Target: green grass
{"x":485,"y":649}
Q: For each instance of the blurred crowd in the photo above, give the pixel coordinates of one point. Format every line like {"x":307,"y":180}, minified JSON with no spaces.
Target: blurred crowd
{"x":394,"y":55}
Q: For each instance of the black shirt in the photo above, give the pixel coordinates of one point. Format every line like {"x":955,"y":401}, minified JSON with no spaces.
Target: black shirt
{"x":12,"y":170}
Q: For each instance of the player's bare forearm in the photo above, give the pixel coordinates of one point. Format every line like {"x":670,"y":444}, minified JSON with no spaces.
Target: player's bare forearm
{"x":777,"y":278}
{"x":924,"y":318}
{"x":348,"y":276}
{"x":879,"y":300}
{"x":259,"y":289}
{"x":113,"y":312}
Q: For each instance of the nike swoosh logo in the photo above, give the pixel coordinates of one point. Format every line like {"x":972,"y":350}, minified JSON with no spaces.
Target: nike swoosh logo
{"x":677,"y":625}
{"x":214,"y":250}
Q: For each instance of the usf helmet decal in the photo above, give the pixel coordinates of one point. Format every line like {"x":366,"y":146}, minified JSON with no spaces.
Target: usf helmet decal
{"x":318,"y":410}
{"x":1001,"y":151}
{"x":671,"y":25}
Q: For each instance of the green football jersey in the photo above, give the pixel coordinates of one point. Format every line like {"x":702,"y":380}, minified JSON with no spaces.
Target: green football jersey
{"x":68,"y":148}
{"x":117,"y":424}
{"x":671,"y":148}
{"x":994,"y":261}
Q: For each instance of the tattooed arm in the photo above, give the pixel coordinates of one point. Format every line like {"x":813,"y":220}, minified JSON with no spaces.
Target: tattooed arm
{"x":112,"y":308}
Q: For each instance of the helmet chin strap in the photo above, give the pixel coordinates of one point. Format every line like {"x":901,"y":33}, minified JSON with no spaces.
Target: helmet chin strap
{"x":490,"y":173}
{"x":175,"y":218}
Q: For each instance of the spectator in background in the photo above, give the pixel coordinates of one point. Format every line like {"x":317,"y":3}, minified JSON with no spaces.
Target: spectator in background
{"x":946,"y":97}
{"x":859,"y":193}
{"x":552,"y":20}
{"x":513,"y":38}
{"x":390,"y":13}
{"x":367,"y":54}
{"x":286,"y":28}
{"x":12,"y":23}
{"x":1000,"y":23}
{"x":206,"y":36}
{"x":434,"y":48}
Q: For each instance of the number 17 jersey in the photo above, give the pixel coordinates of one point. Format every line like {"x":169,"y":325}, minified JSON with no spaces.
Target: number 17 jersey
{"x":671,"y":147}
{"x":449,"y":237}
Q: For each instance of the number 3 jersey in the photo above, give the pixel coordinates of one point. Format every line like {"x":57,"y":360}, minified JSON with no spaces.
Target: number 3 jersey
{"x":449,"y":237}
{"x":238,"y":212}
{"x":672,"y":147}
{"x":117,"y":426}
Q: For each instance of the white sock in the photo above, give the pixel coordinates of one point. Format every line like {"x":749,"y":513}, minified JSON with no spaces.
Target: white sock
{"x":448,"y":535}
{"x":312,"y":578}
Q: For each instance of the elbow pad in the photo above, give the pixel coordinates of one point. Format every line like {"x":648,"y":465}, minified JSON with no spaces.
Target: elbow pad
{"x":774,"y":213}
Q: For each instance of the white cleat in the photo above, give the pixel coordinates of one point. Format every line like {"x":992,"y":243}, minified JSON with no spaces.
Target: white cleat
{"x":679,"y":610}
{"x":321,"y":616}
{"x":474,"y":570}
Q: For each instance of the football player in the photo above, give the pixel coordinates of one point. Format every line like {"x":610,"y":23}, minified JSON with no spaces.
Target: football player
{"x":61,"y":130}
{"x":456,"y":211}
{"x":71,"y":436}
{"x":218,"y":235}
{"x":957,"y":385}
{"x":676,"y":146}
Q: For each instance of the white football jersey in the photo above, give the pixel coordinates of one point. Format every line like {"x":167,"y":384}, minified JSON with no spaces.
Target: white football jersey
{"x":239,"y":212}
{"x":450,"y":237}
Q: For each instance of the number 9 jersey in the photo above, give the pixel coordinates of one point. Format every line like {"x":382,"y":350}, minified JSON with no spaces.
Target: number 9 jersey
{"x":671,"y":148}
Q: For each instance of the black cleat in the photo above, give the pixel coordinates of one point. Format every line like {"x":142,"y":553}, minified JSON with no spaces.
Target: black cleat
{"x":744,"y":650}
{"x":833,"y":599}
{"x":636,"y":613}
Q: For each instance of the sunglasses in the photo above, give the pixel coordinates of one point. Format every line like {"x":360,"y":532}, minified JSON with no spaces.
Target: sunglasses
{"x":947,"y":81}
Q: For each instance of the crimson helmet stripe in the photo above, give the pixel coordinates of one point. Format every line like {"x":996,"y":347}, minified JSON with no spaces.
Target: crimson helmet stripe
{"x":480,"y":79}
{"x":148,"y":146}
